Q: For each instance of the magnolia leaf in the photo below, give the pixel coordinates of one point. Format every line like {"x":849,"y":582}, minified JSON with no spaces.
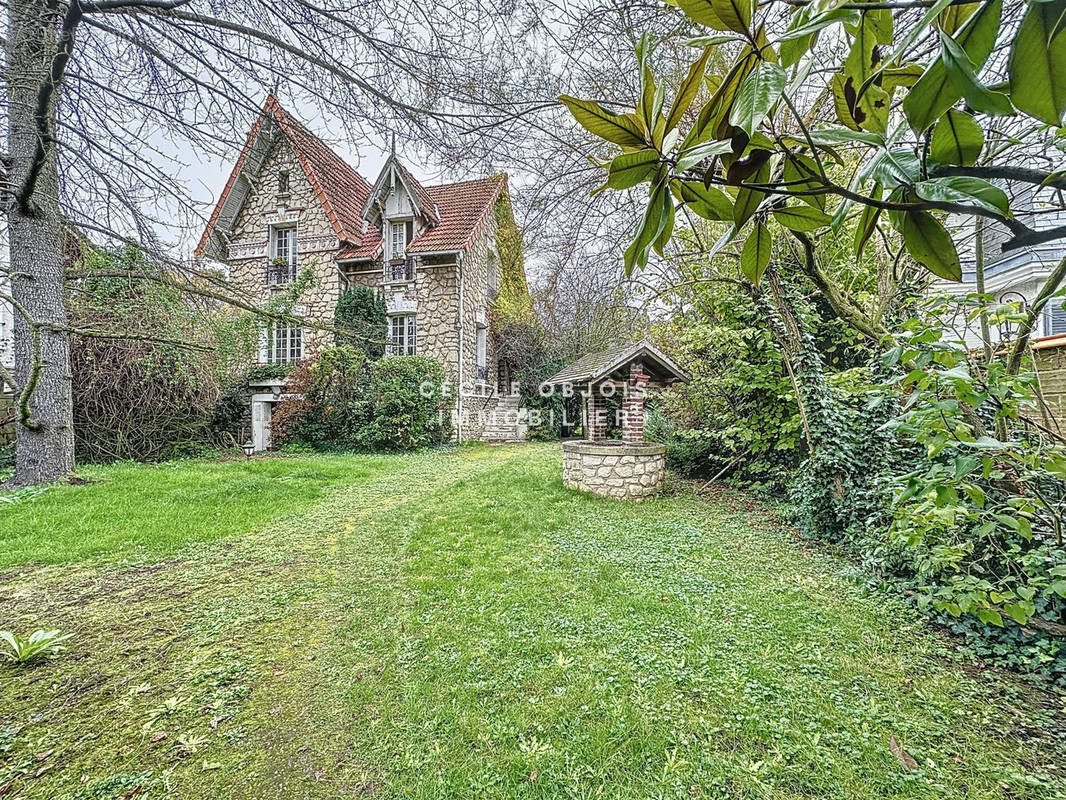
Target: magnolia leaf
{"x":703,"y":12}
{"x":735,"y":14}
{"x":748,"y":200}
{"x":951,"y":18}
{"x":666,"y":230}
{"x":836,"y":136}
{"x":648,"y":229}
{"x":971,"y":191}
{"x":709,"y":41}
{"x":930,"y":245}
{"x":1038,"y":63}
{"x":802,"y":218}
{"x":694,"y":155}
{"x":712,"y":122}
{"x":755,"y":256}
{"x":687,"y":91}
{"x":793,"y":49}
{"x":629,"y":169}
{"x":819,"y":22}
{"x":798,"y":174}
{"x":935,"y":93}
{"x":894,"y":167}
{"x":963,"y":75}
{"x":757,"y":95}
{"x":706,"y":201}
{"x":867,"y":222}
{"x":618,"y":128}
{"x":957,"y":139}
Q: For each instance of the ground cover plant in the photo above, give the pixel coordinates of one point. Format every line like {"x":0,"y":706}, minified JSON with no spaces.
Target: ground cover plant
{"x":458,"y":624}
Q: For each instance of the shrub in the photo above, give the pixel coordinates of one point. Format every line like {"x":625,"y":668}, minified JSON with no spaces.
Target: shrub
{"x":361,"y":322}
{"x":344,"y":401}
{"x":140,"y":396}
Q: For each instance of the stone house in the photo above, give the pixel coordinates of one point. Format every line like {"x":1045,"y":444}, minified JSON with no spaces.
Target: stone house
{"x":294,"y":212}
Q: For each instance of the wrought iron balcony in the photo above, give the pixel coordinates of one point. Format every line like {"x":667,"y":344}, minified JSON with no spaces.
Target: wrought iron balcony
{"x":399,"y":270}
{"x":278,"y":274}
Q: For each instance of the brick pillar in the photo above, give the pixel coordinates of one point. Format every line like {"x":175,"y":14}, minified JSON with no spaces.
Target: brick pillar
{"x":596,"y":416}
{"x":633,"y":404}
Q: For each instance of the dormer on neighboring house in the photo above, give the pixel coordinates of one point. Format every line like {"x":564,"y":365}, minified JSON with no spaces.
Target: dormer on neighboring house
{"x":1014,"y":276}
{"x":292,"y":208}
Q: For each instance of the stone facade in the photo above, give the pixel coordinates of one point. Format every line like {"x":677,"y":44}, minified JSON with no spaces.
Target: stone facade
{"x":316,"y":244}
{"x":447,"y":279}
{"x":614,"y":469}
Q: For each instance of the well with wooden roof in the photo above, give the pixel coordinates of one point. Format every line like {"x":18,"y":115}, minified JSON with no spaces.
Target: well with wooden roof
{"x":629,"y":468}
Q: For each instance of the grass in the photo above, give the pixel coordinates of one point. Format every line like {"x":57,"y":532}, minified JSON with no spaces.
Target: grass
{"x":460,"y":625}
{"x":149,"y":510}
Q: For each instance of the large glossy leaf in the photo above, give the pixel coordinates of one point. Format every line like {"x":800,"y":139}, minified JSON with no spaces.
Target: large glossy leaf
{"x":757,"y":95}
{"x":895,"y":167}
{"x":930,"y":245}
{"x":621,"y":129}
{"x":713,"y":122}
{"x":802,"y":218}
{"x":686,"y":92}
{"x":706,"y":201}
{"x":748,"y":200}
{"x":818,"y":22}
{"x":736,"y":14}
{"x":957,"y":139}
{"x":1038,"y":63}
{"x":649,"y":228}
{"x":951,"y":18}
{"x":934,"y":93}
{"x":837,"y":136}
{"x":962,"y":189}
{"x":691,"y":156}
{"x":963,"y":75}
{"x":793,"y":49}
{"x":798,"y":174}
{"x":755,"y":256}
{"x":867,"y":223}
{"x":629,"y":169}
{"x":702,"y":11}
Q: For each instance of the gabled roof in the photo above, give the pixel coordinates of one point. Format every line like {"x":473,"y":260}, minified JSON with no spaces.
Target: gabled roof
{"x":614,"y":363}
{"x":340,"y":189}
{"x":464,"y":209}
{"x":457,"y":212}
{"x":423,"y":203}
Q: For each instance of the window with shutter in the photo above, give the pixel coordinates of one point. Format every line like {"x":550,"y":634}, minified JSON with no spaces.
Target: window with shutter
{"x":1054,"y":318}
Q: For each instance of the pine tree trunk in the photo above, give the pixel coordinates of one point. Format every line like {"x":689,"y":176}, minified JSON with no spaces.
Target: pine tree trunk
{"x":44,"y":447}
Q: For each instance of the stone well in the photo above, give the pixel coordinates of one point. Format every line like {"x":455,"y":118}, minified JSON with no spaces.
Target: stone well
{"x":626,"y":471}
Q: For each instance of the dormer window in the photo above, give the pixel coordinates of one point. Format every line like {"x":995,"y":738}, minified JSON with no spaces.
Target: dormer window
{"x":283,"y":182}
{"x":397,"y":239}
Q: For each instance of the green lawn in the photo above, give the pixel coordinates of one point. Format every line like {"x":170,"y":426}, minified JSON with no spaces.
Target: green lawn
{"x":458,"y":624}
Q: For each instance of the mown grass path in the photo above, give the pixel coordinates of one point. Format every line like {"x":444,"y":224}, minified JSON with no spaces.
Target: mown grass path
{"x":460,"y":625}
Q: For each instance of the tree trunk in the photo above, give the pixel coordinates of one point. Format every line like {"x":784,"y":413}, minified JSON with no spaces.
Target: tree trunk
{"x":44,"y":447}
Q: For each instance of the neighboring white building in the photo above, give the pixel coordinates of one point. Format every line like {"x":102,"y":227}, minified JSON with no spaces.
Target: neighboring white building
{"x":1015,"y":276}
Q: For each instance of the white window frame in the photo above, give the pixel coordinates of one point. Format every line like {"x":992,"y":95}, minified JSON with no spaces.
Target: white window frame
{"x":290,"y":252}
{"x":398,"y":244}
{"x":284,"y":343}
{"x":481,"y":349}
{"x":403,"y":335}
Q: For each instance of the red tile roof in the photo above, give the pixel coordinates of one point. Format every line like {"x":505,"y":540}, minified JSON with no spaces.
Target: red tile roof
{"x":341,"y":190}
{"x":459,"y":210}
{"x":464,"y":209}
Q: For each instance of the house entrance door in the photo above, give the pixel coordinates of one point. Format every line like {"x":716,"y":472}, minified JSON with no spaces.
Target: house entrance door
{"x":261,"y":413}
